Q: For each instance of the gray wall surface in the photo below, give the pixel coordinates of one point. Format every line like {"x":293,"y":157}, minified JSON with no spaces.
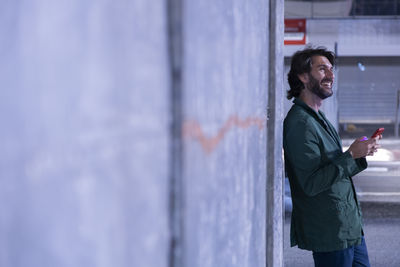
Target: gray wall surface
{"x":375,"y":83}
{"x":88,"y":166}
{"x":225,"y":100}
{"x":84,"y":114}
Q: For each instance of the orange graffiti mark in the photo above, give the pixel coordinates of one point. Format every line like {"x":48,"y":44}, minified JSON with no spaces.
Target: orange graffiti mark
{"x":192,"y":129}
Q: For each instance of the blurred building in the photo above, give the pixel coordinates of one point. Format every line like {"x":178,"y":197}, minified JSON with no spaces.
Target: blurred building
{"x":365,"y":34}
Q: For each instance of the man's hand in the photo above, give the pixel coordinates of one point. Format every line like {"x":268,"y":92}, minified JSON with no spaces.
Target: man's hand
{"x":362,"y":147}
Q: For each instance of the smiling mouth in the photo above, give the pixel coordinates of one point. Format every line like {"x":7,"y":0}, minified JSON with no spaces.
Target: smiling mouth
{"x":327,"y":84}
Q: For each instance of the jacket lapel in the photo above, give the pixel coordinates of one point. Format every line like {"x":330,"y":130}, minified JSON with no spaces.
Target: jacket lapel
{"x":322,"y":120}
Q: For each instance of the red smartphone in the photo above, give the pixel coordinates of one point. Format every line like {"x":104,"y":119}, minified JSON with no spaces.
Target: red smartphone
{"x":378,"y":132}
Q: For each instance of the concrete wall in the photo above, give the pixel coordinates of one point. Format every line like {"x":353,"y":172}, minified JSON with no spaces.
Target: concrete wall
{"x":225,"y":100}
{"x":307,"y":9}
{"x":85,"y":118}
{"x":93,"y":171}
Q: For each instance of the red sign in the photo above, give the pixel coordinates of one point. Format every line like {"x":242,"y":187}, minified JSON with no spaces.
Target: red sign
{"x":295,"y":32}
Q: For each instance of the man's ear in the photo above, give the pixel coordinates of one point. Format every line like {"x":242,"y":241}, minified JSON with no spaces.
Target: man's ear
{"x":303,"y":77}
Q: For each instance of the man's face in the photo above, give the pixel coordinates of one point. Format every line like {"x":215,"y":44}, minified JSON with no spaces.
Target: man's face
{"x":321,"y":77}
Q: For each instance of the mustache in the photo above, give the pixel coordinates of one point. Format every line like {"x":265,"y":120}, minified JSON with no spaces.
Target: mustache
{"x":327,"y":80}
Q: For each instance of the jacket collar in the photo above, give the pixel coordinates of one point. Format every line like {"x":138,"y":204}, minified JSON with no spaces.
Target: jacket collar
{"x":300,"y":102}
{"x":321,"y":118}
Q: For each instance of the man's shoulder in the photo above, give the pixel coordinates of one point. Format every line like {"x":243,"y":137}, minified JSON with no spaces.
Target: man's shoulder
{"x":297,"y":115}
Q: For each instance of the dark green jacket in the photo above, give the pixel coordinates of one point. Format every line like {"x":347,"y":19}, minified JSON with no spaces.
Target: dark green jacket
{"x":326,"y":215}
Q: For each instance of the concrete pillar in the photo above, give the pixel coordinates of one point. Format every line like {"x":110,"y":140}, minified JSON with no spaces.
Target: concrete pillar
{"x":275,"y":178}
{"x":135,"y":133}
{"x":225,"y":95}
{"x":85,"y":112}
{"x":176,"y":190}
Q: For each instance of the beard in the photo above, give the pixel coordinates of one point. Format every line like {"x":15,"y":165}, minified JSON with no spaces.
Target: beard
{"x":316,"y":88}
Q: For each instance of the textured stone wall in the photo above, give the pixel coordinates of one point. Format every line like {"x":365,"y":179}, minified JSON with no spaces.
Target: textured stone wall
{"x":85,"y":118}
{"x":225,"y":100}
{"x":93,"y":171}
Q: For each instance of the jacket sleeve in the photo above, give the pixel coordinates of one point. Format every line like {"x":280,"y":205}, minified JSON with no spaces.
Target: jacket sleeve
{"x":312,"y":170}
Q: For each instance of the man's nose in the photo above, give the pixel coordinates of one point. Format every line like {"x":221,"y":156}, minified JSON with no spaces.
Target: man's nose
{"x":330,"y":74}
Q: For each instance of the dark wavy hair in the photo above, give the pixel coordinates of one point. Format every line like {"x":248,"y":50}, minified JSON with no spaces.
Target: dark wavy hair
{"x":301,"y":63}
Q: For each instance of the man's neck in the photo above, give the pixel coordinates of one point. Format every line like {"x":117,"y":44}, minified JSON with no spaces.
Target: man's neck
{"x":312,"y":100}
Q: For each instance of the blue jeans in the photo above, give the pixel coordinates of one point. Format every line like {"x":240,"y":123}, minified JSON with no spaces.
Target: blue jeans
{"x":355,"y":256}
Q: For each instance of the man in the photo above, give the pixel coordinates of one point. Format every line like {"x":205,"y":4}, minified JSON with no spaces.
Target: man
{"x":326,"y":216}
